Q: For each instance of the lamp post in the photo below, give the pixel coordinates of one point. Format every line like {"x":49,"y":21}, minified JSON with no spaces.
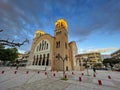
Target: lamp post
{"x":63,"y":60}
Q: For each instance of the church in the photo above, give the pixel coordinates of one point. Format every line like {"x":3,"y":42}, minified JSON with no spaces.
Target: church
{"x":53,"y":52}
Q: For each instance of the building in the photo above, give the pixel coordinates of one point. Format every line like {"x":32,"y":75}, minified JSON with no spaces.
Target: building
{"x":53,"y":52}
{"x":90,"y":58}
{"x":105,"y":56}
{"x":116,"y":54}
{"x":23,"y":58}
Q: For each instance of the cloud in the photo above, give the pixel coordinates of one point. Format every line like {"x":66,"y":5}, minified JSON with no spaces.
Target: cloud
{"x":21,"y":18}
{"x":102,"y":17}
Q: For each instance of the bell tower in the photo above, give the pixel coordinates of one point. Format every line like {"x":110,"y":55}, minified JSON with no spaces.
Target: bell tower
{"x":61,"y":43}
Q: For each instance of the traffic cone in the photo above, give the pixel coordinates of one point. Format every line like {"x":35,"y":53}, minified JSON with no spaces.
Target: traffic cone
{"x":72,"y":73}
{"x":94,"y":75}
{"x":65,"y":76}
{"x":27,"y":72}
{"x":80,"y":79}
{"x":15,"y":72}
{"x":54,"y":74}
{"x":38,"y":72}
{"x":109,"y":77}
{"x":45,"y":73}
{"x":3,"y":72}
{"x":99,"y":82}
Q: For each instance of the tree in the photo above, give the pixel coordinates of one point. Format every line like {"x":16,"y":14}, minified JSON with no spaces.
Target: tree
{"x":2,"y":51}
{"x":98,"y":65}
{"x":9,"y":54}
{"x":12,"y":43}
{"x":111,"y":61}
{"x":13,"y":54}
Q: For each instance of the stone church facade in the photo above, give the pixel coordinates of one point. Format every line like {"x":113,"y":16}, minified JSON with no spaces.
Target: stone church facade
{"x":53,"y":52}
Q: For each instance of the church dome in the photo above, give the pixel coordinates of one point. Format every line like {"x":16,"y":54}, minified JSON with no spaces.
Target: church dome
{"x":38,"y":33}
{"x":61,"y":23}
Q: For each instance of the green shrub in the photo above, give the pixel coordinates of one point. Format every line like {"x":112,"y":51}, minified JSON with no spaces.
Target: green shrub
{"x":64,"y":79}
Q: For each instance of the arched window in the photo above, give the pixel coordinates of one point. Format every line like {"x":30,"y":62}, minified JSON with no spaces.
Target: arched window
{"x":42,"y":44}
{"x":47,"y":62}
{"x":33,"y":60}
{"x":47,"y":46}
{"x":36,"y":60}
{"x":59,"y":43}
{"x":43,"y":62}
{"x":40,"y":59}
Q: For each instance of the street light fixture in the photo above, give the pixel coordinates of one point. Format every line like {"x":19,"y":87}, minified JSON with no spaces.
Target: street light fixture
{"x":59,"y":57}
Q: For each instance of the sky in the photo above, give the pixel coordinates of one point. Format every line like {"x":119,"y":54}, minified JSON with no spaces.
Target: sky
{"x":93,"y":24}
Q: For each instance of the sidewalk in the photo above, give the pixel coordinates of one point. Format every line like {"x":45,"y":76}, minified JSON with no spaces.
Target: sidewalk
{"x":39,"y":81}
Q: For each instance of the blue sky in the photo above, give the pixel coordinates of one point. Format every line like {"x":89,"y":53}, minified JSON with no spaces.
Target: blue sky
{"x":93,"y":24}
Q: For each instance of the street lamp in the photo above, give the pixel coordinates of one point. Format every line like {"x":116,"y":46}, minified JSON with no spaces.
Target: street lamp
{"x":59,"y":57}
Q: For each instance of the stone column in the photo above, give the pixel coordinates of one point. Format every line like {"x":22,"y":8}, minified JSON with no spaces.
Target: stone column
{"x":38,"y":60}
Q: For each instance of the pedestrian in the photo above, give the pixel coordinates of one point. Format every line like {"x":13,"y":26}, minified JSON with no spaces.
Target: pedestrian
{"x":94,"y":69}
{"x":17,"y":66}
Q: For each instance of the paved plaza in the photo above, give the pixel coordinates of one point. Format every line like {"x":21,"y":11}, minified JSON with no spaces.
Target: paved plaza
{"x":34,"y":80}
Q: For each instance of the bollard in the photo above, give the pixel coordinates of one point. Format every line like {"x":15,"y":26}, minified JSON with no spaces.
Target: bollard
{"x":27,"y":72}
{"x":94,"y":75}
{"x":99,"y":82}
{"x":80,"y":79}
{"x":65,"y":76}
{"x":109,"y":77}
{"x":54,"y":74}
{"x":38,"y":72}
{"x":72,"y":73}
{"x":82,"y":74}
{"x":3,"y":72}
{"x":15,"y":72}
{"x":45,"y":73}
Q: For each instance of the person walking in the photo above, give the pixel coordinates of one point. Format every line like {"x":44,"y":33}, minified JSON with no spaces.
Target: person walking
{"x":94,"y":69}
